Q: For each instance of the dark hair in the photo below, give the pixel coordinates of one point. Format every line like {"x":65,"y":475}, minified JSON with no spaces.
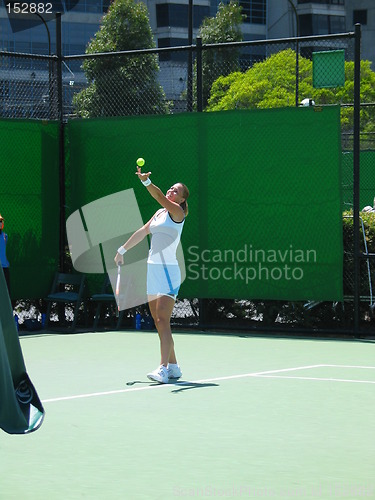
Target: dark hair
{"x":185,"y":194}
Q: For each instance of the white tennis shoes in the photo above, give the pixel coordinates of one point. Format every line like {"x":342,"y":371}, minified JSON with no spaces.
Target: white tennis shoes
{"x":163,"y":374}
{"x":174,"y":371}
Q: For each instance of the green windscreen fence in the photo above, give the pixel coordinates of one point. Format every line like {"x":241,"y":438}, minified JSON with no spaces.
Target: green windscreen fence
{"x":265,"y":216}
{"x":29,"y":203}
{"x":265,"y":195}
{"x":366,"y":179}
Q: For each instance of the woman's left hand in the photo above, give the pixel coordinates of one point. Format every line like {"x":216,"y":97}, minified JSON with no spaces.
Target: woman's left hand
{"x":141,"y":176}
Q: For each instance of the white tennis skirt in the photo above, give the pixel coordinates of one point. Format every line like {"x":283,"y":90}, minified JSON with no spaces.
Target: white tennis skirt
{"x":163,"y":279}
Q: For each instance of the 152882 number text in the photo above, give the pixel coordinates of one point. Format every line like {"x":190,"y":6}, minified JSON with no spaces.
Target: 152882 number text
{"x":29,"y":8}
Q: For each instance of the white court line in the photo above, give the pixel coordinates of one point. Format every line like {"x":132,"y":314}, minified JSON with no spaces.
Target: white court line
{"x":329,"y":379}
{"x":351,"y":366}
{"x":257,"y":374}
{"x":322,"y":379}
{"x":264,"y":374}
{"x":159,"y":386}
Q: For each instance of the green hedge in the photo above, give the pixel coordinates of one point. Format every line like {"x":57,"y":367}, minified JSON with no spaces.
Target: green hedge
{"x":368,"y":220}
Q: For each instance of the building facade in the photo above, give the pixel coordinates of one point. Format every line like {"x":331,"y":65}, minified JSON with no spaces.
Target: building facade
{"x":363,"y":12}
{"x":80,"y":21}
{"x":265,"y":19}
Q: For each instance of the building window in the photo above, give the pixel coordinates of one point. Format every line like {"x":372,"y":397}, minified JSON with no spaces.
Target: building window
{"x":316,"y":24}
{"x":177,"y":55}
{"x":326,"y":2}
{"x":305,"y":25}
{"x":360,"y":16}
{"x":39,"y":48}
{"x":171,"y":14}
{"x":106,"y":4}
{"x":254,"y":10}
{"x":336,"y":24}
{"x":93,"y":6}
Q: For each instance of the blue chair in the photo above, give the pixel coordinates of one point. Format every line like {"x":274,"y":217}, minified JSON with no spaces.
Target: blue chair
{"x":107,"y":297}
{"x":66,"y":289}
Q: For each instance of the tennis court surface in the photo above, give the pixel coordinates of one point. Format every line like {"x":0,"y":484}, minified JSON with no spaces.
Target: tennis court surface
{"x":251,"y":418}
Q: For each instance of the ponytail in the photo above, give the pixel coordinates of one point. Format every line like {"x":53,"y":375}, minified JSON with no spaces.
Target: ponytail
{"x":184,"y":204}
{"x":184,"y":207}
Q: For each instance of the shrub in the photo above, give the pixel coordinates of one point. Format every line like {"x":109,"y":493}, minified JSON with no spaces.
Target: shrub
{"x":367,"y":233}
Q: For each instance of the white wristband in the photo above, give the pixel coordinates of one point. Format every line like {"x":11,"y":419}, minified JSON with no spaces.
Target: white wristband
{"x":147,"y":182}
{"x":121,"y":250}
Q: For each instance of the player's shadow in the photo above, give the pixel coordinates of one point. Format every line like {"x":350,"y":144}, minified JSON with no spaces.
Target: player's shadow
{"x":183,"y":385}
{"x":186,"y":386}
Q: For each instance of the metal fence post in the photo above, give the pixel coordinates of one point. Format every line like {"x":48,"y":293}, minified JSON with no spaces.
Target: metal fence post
{"x":61,"y":142}
{"x":199,"y":91}
{"x":297,"y":73}
{"x":356,"y":176}
{"x":297,"y":50}
{"x":190,"y":58}
{"x":199,"y":75}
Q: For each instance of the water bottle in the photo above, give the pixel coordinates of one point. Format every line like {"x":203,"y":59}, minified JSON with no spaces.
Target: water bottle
{"x":16,"y":321}
{"x":138,"y":320}
{"x":43,"y":320}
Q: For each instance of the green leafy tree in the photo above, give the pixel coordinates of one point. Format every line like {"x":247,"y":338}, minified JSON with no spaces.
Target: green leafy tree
{"x":224,"y":27}
{"x":123,"y":85}
{"x":271,"y":84}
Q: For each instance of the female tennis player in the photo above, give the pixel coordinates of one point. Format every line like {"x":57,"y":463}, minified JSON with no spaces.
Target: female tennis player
{"x":163,"y":272}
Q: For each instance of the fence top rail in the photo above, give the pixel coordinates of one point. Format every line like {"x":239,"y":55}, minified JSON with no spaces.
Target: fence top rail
{"x":363,"y":104}
{"x":275,"y":41}
{"x":22,"y":55}
{"x":154,"y":50}
{"x":248,"y":43}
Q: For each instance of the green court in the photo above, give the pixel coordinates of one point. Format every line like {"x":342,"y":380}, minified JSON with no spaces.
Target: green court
{"x":252,"y":417}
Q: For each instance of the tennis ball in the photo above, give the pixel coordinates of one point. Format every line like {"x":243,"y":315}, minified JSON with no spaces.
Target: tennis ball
{"x":140,"y":162}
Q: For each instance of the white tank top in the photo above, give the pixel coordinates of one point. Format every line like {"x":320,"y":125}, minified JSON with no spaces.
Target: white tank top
{"x":166,"y":236}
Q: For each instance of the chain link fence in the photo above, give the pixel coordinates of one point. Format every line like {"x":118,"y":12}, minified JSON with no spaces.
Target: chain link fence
{"x":159,"y":81}
{"x":28,"y":87}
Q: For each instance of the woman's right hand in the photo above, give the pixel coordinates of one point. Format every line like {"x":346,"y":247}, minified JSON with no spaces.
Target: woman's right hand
{"x":119,"y":259}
